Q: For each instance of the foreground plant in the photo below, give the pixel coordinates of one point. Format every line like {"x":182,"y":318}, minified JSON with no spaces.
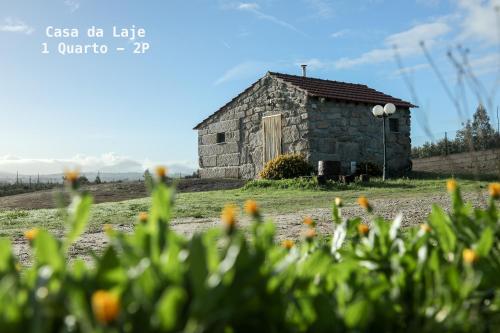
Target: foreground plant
{"x":441,"y":276}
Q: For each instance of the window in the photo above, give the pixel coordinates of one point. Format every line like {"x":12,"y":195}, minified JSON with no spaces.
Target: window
{"x":221,"y":137}
{"x":394,"y":125}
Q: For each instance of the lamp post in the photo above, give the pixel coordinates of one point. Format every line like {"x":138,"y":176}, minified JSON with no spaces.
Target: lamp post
{"x":384,"y":112}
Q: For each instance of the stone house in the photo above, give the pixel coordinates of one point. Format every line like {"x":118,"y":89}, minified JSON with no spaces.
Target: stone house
{"x":323,"y":119}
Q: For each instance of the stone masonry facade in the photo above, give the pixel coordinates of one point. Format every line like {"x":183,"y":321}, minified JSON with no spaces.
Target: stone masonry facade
{"x":319,"y":128}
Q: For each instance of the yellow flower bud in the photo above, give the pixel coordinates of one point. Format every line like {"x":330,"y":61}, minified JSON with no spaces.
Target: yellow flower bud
{"x":161,"y":171}
{"x":31,"y":234}
{"x":71,"y":176}
{"x":470,"y":256}
{"x":363,"y":229}
{"x":309,"y":221}
{"x":425,"y":227}
{"x":143,"y":217}
{"x":228,"y":216}
{"x":494,"y":190}
{"x":106,"y":306}
{"x":339,"y":202}
{"x":364,"y":203}
{"x":288,"y":244}
{"x":451,"y":185}
{"x":310,"y":234}
{"x":251,"y":207}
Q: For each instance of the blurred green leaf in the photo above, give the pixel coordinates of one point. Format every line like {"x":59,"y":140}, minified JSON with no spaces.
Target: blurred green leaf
{"x":79,"y":211}
{"x":169,"y":307}
{"x":485,"y":242}
{"x":357,"y":314}
{"x":440,"y":222}
{"x":47,"y":251}
{"x":5,"y":255}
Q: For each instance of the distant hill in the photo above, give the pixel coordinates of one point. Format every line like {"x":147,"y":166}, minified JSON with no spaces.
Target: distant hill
{"x":174,"y":171}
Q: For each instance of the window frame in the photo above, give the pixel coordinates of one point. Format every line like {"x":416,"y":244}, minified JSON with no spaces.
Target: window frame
{"x":392,"y":121}
{"x":220,"y":138}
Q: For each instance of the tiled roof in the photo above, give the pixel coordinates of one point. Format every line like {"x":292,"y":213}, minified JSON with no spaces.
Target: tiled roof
{"x":359,"y":93}
{"x":351,"y":92}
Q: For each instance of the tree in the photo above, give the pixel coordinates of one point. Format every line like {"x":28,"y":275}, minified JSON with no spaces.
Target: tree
{"x":98,"y":178}
{"x":478,"y":134}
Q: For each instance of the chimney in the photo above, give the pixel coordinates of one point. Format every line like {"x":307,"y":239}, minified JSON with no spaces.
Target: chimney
{"x":304,"y":72}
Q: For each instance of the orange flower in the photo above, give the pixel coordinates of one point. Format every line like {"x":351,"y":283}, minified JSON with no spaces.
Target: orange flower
{"x":494,"y":189}
{"x":161,"y":171}
{"x":71,"y":176}
{"x":425,"y":227}
{"x":470,"y":256}
{"x":309,"y":221}
{"x":143,"y":217}
{"x":251,"y":207}
{"x":106,"y":306}
{"x":363,"y":202}
{"x":31,"y":234}
{"x":451,"y":185}
{"x":363,"y":229}
{"x":339,"y":202}
{"x":288,"y":244}
{"x":228,"y":216}
{"x":310,"y":234}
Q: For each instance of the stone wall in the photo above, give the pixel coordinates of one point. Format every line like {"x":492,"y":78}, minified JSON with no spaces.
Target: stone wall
{"x":486,"y":162}
{"x":241,"y":155}
{"x":348,"y":132}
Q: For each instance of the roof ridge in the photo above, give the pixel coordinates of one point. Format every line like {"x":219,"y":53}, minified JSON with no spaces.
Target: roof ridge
{"x":316,"y":78}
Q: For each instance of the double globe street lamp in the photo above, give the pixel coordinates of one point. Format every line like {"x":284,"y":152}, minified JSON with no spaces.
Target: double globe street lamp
{"x":384,"y":112}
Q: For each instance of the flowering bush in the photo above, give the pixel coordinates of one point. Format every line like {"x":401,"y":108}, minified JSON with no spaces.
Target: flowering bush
{"x":438,"y":277}
{"x":286,"y":166}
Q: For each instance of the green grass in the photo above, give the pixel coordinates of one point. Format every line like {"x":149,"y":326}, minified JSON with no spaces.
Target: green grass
{"x":274,"y":197}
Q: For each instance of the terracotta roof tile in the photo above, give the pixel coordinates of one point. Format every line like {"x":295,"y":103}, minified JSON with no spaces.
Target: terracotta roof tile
{"x":341,"y":90}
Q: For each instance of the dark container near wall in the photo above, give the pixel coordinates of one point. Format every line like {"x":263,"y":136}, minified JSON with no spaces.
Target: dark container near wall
{"x":328,"y":170}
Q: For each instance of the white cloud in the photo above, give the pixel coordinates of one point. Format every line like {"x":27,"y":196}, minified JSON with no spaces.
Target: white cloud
{"x":254,"y":8}
{"x":73,"y":5}
{"x":322,"y":8}
{"x":488,"y":63}
{"x":411,"y":69}
{"x":407,"y":43}
{"x":109,"y":162}
{"x":248,"y":6}
{"x":480,"y":20}
{"x":340,"y":33}
{"x":15,"y":25}
{"x":243,"y":70}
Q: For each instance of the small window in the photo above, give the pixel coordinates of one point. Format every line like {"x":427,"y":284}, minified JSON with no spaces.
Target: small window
{"x":221,"y":137}
{"x":394,"y":125}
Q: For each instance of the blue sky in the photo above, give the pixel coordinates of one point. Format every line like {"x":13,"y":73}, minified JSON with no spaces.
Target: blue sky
{"x":125,"y":112}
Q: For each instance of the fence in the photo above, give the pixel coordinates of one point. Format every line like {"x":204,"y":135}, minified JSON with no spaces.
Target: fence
{"x":486,"y":162}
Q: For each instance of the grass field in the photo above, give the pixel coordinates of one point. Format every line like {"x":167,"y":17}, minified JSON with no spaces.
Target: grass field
{"x":274,"y":198}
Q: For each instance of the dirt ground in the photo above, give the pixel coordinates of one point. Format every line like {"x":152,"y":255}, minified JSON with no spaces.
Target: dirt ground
{"x":288,"y":226}
{"x":113,"y":192}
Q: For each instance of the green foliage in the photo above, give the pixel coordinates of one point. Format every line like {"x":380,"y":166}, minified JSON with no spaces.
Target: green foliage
{"x":296,"y":184}
{"x":286,"y":166}
{"x":19,"y":188}
{"x":475,"y":135}
{"x":154,"y":280}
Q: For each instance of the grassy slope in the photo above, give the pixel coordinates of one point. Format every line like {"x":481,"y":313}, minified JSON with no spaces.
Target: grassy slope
{"x":209,"y":204}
